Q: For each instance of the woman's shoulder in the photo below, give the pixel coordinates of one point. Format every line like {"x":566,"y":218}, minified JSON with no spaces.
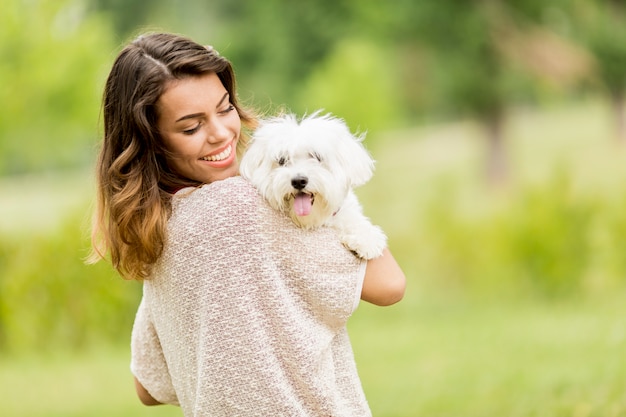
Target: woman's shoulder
{"x":228,"y":191}
{"x":222,"y":203}
{"x":227,"y":185}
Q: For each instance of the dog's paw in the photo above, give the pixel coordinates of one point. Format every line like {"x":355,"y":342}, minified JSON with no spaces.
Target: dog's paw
{"x":368,"y":243}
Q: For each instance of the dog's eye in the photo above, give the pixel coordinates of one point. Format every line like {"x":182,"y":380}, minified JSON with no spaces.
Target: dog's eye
{"x":316,"y":156}
{"x":282,"y":161}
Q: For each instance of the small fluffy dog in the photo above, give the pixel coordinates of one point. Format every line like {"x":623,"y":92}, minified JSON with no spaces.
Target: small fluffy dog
{"x":308,"y":170}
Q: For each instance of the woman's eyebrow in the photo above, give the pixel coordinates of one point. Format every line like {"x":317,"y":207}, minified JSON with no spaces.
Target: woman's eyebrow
{"x":224,"y":97}
{"x":194,"y":115}
{"x":190,"y":116}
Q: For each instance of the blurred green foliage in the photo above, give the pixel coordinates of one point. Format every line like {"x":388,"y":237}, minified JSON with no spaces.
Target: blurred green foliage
{"x":378,"y":65}
{"x":535,"y":243}
{"x":605,"y":35}
{"x":52,"y":59}
{"x":337,"y":86}
{"x":50,"y":299}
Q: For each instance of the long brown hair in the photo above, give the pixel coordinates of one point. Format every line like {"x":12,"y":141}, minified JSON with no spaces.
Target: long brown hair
{"x":133,"y":179}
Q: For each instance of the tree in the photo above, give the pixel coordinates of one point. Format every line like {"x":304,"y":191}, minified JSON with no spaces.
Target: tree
{"x":279,"y":42}
{"x":605,"y":31}
{"x":126,"y":15}
{"x":52,"y":63}
{"x":476,"y":67}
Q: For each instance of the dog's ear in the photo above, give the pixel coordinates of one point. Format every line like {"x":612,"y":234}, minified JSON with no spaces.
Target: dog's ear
{"x":261,"y":152}
{"x":359,"y":162}
{"x":252,"y":159}
{"x":352,"y":155}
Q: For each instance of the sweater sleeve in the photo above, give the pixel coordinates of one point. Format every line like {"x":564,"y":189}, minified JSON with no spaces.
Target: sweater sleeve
{"x":148,"y":363}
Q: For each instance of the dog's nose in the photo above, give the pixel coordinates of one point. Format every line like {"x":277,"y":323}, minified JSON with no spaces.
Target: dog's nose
{"x":299,"y":182}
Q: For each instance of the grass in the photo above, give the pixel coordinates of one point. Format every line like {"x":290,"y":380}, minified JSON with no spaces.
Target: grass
{"x":425,"y":357}
{"x":90,"y":384}
{"x":446,"y":359}
{"x":439,"y":353}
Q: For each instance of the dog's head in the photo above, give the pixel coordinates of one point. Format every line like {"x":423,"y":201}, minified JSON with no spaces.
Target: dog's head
{"x":306,"y":168}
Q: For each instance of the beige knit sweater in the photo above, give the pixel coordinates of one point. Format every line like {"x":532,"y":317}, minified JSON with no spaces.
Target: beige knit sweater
{"x":245,"y":314}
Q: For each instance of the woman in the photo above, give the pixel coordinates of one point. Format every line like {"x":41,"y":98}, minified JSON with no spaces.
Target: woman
{"x":242,"y":312}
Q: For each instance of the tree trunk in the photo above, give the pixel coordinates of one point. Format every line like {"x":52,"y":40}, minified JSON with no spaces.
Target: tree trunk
{"x":497,"y":163}
{"x":619,"y":107}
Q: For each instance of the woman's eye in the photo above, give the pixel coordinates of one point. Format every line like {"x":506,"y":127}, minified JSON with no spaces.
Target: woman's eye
{"x":192,"y":130}
{"x":228,"y":109}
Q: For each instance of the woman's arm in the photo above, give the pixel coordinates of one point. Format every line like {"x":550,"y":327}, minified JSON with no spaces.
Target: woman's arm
{"x":148,"y":362}
{"x":384,"y":281}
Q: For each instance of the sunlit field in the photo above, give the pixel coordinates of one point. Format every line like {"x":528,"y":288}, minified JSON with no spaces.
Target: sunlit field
{"x":446,"y":359}
{"x":456,"y":346}
{"x":93,"y":384}
{"x":423,"y":358}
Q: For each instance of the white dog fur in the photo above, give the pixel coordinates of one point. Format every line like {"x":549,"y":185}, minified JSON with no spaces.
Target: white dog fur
{"x":308,"y":170}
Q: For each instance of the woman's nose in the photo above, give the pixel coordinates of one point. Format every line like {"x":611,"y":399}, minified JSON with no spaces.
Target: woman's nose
{"x":217,"y":132}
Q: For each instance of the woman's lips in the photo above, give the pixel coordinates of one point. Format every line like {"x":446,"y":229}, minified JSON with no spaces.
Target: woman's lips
{"x":219,"y":156}
{"x":222,"y":158}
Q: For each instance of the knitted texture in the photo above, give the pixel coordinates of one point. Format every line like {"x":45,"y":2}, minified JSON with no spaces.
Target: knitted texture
{"x":245,"y":314}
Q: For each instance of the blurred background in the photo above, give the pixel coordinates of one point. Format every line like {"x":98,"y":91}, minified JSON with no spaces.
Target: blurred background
{"x":499,"y":130}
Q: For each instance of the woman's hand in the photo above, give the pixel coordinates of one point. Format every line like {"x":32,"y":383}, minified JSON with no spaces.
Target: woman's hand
{"x":144,"y":395}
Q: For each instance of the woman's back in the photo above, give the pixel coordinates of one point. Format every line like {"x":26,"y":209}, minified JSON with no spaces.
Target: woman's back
{"x":261,"y":331}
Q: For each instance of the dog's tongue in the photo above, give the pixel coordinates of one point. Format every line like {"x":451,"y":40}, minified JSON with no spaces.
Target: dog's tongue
{"x":302,"y":204}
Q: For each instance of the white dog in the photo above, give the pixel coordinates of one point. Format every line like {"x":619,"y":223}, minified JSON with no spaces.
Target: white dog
{"x":308,"y":169}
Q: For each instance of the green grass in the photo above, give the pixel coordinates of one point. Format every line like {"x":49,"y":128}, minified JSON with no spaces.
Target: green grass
{"x":420,"y":358}
{"x":90,"y":384}
{"x":446,"y":359}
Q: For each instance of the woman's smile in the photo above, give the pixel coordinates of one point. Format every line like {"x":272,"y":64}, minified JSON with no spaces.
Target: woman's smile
{"x":221,"y":158}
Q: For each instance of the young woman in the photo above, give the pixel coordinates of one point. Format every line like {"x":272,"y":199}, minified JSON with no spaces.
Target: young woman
{"x":242,"y":312}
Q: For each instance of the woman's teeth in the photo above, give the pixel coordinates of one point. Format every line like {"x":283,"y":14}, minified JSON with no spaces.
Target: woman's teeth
{"x":220,"y":156}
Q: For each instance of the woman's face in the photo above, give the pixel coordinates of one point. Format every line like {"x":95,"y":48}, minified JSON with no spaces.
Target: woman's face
{"x":200,"y":127}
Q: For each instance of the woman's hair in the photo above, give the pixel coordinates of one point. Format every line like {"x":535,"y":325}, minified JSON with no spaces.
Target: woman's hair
{"x":135,"y":183}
